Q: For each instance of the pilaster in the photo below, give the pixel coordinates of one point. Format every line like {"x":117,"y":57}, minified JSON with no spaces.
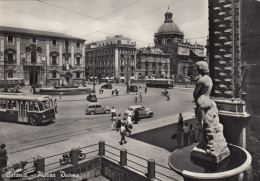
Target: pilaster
{"x":48,"y":53}
{"x":72,"y":55}
{"x":18,"y":51}
{"x":2,"y":50}
{"x":60,"y":54}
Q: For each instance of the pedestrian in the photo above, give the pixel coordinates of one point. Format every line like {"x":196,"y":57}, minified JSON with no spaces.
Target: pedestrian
{"x":186,"y":134}
{"x":162,"y":93}
{"x":136,"y":97}
{"x":136,"y":116}
{"x":113,"y":91}
{"x":197,"y":132}
{"x":118,"y":122}
{"x":113,"y":112}
{"x":145,"y":89}
{"x":180,"y":120}
{"x":191,"y":134}
{"x":129,"y":124}
{"x":55,"y":105}
{"x":140,"y":97}
{"x":100,"y":91}
{"x":3,"y":159}
{"x":113,"y":127}
{"x":61,"y":95}
{"x":122,"y":133}
{"x":178,"y":134}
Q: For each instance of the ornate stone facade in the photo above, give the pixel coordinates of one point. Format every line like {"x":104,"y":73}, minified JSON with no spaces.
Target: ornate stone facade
{"x":111,"y":58}
{"x":39,"y":57}
{"x":152,"y":62}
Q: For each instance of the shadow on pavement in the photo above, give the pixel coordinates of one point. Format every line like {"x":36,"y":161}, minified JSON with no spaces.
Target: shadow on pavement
{"x":161,"y":137}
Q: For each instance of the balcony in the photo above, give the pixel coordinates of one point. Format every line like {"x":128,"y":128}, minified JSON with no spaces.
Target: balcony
{"x":29,"y":64}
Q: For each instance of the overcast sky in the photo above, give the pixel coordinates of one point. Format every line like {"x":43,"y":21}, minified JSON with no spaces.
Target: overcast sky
{"x":93,"y":20}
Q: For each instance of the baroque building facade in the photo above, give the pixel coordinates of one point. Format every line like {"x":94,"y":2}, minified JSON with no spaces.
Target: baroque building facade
{"x":183,"y":55}
{"x":152,"y":62}
{"x":41,"y":57}
{"x":112,"y":58}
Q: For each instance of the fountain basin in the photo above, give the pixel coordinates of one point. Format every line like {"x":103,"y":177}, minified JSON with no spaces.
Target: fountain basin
{"x":64,"y":91}
{"x":191,"y":168}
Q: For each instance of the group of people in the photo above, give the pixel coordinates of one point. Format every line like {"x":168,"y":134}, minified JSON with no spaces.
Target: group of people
{"x":140,"y":97}
{"x":114,"y":91}
{"x":123,"y":125}
{"x":189,"y":133}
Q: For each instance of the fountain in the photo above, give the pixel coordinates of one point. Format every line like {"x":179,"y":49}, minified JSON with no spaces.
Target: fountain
{"x":212,"y":158}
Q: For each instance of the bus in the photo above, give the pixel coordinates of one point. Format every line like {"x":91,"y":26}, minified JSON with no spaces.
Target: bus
{"x":32,"y":109}
{"x":161,"y":83}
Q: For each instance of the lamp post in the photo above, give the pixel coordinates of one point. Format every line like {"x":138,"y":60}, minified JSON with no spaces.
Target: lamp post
{"x":34,"y":79}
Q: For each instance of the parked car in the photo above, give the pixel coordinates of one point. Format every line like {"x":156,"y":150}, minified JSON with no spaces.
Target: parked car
{"x":143,"y":112}
{"x":92,"y":97}
{"x":107,"y":85}
{"x":97,"y":108}
{"x":133,"y":88}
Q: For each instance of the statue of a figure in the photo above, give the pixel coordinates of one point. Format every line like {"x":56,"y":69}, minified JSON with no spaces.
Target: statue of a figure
{"x":213,"y":146}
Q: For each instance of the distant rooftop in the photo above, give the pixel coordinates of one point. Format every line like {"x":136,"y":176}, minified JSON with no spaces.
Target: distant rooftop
{"x":4,"y":29}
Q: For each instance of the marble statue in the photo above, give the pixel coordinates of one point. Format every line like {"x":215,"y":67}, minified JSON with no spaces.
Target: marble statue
{"x":213,"y":145}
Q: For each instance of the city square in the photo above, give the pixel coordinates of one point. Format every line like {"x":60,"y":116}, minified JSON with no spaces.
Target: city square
{"x":166,"y":93}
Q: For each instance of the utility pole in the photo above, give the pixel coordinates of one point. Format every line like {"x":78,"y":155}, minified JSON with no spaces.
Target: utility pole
{"x":34,"y":61}
{"x":46,"y":73}
{"x":127,"y":76}
{"x":94,"y":77}
{"x":5,"y":88}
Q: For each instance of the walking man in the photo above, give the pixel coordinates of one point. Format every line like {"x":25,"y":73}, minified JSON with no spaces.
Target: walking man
{"x":145,"y":89}
{"x":122,"y":133}
{"x":186,"y":134}
{"x":136,"y":97}
{"x":113,"y":112}
{"x":3,"y":159}
{"x":140,"y":97}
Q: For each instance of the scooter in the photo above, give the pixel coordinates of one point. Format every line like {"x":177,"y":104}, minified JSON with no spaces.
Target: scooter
{"x":22,"y":170}
{"x":66,"y":157}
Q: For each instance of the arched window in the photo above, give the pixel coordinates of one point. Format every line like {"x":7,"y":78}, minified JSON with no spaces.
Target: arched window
{"x":10,"y":74}
{"x":169,"y":41}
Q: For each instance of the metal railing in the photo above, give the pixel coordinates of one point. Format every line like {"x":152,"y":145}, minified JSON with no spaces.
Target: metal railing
{"x":135,"y":162}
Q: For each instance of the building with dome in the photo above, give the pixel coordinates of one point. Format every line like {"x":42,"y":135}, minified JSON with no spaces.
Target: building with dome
{"x":183,"y":55}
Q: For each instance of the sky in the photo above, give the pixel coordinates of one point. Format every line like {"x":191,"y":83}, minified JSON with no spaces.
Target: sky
{"x":94,"y":20}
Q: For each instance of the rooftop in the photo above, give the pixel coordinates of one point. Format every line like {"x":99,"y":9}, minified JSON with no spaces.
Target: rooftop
{"x":4,"y":29}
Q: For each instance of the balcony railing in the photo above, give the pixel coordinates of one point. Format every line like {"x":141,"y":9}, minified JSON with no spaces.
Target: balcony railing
{"x":33,"y":64}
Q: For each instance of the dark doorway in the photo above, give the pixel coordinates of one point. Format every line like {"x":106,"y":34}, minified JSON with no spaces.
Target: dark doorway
{"x":32,"y":78}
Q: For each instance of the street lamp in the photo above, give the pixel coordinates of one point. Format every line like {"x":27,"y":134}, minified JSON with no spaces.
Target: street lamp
{"x":34,"y":79}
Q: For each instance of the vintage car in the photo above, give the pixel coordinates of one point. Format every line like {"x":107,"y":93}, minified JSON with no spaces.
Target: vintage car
{"x":92,"y":97}
{"x":107,"y":85}
{"x":133,"y":88}
{"x":97,"y":108}
{"x":143,"y":112}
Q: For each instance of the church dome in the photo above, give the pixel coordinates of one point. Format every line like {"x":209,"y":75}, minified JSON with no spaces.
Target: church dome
{"x":168,"y":27}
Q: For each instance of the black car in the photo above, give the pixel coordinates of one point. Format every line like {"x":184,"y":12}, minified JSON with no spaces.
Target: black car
{"x":92,"y":97}
{"x":107,"y":85}
{"x":133,"y":88}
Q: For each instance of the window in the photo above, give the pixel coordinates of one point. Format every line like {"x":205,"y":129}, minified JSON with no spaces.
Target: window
{"x":10,"y":74}
{"x":78,"y":45}
{"x":54,"y":60}
{"x":34,"y":40}
{"x":78,"y":75}
{"x":78,"y":60}
{"x":10,"y":58}
{"x":10,"y":39}
{"x":33,"y":57}
{"x":54,"y":75}
{"x":54,"y":43}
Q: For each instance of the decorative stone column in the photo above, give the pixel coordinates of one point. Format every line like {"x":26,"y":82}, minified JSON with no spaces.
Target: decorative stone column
{"x":225,"y":64}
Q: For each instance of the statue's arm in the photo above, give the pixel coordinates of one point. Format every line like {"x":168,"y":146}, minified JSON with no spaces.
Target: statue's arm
{"x":196,"y":93}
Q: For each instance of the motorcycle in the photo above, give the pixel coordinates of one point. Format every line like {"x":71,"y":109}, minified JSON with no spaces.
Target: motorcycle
{"x":22,"y":169}
{"x":66,"y":157}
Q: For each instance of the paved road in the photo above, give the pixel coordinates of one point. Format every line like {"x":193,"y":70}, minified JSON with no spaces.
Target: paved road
{"x":72,"y":122}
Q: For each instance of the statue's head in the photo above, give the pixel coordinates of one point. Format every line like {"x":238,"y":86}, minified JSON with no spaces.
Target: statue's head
{"x":202,"y":67}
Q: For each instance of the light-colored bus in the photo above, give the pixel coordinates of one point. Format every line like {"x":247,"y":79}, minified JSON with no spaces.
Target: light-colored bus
{"x":161,"y":83}
{"x":32,"y":109}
